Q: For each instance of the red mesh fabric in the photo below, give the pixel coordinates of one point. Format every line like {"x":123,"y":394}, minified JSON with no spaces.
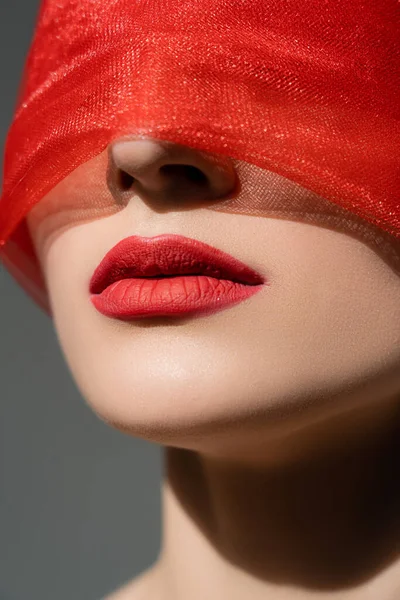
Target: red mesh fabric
{"x":309,"y":90}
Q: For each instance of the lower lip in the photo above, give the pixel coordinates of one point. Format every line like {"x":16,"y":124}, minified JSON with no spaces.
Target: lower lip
{"x":170,"y":296}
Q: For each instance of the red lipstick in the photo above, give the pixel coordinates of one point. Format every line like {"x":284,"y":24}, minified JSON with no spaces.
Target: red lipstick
{"x":171,"y":276}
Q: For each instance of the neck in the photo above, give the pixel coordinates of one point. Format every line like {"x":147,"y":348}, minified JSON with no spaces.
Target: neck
{"x":322,"y":524}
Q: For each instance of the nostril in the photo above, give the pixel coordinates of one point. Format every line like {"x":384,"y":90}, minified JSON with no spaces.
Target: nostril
{"x":125,"y":181}
{"x":166,"y":172}
{"x":185,"y":172}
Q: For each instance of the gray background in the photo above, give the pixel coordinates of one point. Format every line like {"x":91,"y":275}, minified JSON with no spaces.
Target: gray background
{"x":79,"y":502}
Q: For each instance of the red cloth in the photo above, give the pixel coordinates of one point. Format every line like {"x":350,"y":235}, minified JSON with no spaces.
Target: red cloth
{"x":308,"y":89}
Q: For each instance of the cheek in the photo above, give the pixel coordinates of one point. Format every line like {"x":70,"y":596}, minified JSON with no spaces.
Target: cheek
{"x":67,"y":262}
{"x":81,"y":197}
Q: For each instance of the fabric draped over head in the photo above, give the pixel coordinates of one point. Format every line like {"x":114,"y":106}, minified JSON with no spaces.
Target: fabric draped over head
{"x":308,"y":90}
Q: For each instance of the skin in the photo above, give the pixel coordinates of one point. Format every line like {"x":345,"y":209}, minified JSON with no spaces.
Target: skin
{"x":280,"y":415}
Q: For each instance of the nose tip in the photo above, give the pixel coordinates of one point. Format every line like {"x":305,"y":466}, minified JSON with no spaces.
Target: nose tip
{"x":167,"y":172}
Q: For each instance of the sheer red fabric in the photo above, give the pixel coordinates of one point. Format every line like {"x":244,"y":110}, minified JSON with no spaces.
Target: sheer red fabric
{"x":309,"y":90}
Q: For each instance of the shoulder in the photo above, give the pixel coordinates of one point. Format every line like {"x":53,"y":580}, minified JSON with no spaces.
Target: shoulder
{"x":126,"y":592}
{"x":139,"y":588}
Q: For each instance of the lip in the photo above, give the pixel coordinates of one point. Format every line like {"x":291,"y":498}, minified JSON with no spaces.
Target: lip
{"x":169,"y":275}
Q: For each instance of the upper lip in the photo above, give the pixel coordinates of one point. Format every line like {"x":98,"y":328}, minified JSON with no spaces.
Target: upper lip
{"x":168,"y":254}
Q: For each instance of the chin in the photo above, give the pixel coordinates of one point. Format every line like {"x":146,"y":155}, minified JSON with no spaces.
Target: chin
{"x":203,"y":385}
{"x":162,"y":386}
{"x":206,"y":382}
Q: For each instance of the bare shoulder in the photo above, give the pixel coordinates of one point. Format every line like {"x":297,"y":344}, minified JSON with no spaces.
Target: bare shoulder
{"x":142,"y":587}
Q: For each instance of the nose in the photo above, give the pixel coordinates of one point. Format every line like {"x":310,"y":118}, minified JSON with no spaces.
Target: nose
{"x":165,"y":172}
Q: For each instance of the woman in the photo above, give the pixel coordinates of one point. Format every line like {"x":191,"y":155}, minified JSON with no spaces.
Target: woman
{"x":205,"y":198}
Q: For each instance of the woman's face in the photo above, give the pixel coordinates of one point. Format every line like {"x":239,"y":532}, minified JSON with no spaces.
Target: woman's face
{"x":321,"y":336}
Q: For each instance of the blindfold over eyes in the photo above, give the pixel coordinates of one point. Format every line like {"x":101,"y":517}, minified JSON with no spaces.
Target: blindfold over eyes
{"x":308,"y":90}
